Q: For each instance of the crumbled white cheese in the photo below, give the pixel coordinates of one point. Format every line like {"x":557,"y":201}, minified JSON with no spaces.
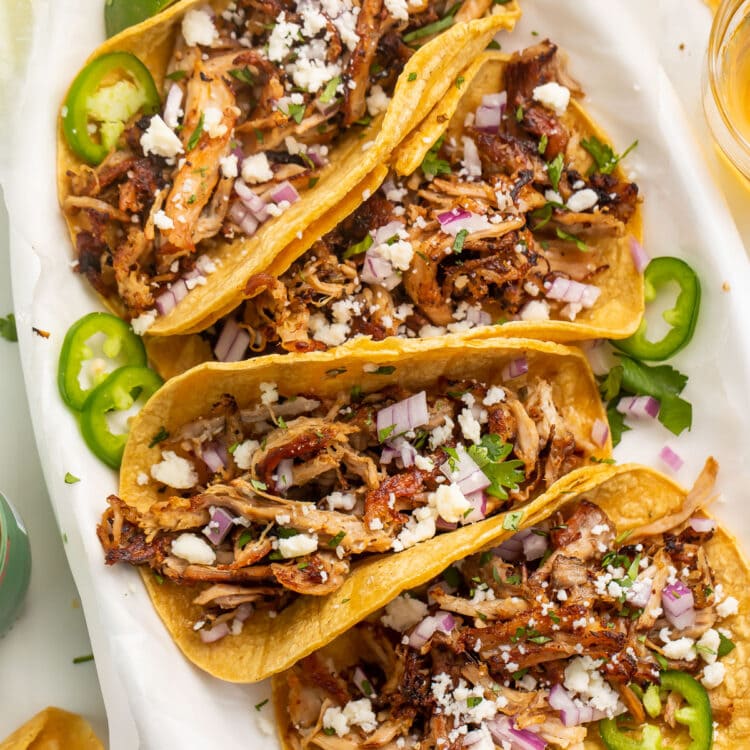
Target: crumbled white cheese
{"x":198,"y":28}
{"x":713,"y":675}
{"x":175,"y":471}
{"x":495,"y":394}
{"x":682,"y":648}
{"x":378,"y":101}
{"x":282,"y":37}
{"x":244,"y":452}
{"x":301,"y":544}
{"x":470,"y":426}
{"x":441,"y":433}
{"x":450,"y":502}
{"x":229,"y":166}
{"x":343,"y":500}
{"x":142,"y":478}
{"x":330,"y":334}
{"x":420,"y":527}
{"x":399,"y":253}
{"x":143,"y":322}
{"x":193,"y":549}
{"x":423,"y":462}
{"x":728,"y":607}
{"x":255,"y":169}
{"x":398,"y":9}
{"x":159,"y":139}
{"x":553,"y":96}
{"x":535,"y":310}
{"x":583,"y":200}
{"x":582,"y":676}
{"x":162,"y":221}
{"x":355,"y":713}
{"x":403,"y":612}
{"x":212,"y":122}
{"x":708,"y":645}
{"x":269,"y":393}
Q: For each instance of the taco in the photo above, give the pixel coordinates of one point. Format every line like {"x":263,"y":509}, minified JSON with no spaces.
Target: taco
{"x":248,"y":490}
{"x":617,"y":621}
{"x":268,"y":108}
{"x":51,"y":729}
{"x":495,"y":220}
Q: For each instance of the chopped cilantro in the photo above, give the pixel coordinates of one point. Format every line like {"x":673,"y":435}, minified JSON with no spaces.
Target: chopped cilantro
{"x":259,"y":135}
{"x":412,"y":77}
{"x":473,"y":701}
{"x":245,"y":537}
{"x":330,"y":731}
{"x":460,"y":82}
{"x":543,"y":214}
{"x":176,"y":75}
{"x":8,"y":328}
{"x":258,"y":484}
{"x":275,"y":555}
{"x":83,"y":659}
{"x":579,"y":243}
{"x":295,"y":112}
{"x":312,"y":182}
{"x":366,"y":688}
{"x":329,"y":92}
{"x":159,"y":437}
{"x":356,"y":393}
{"x":431,"y":28}
{"x":285,"y":533}
{"x":303,"y":565}
{"x":281,"y":423}
{"x":554,"y":171}
{"x":622,"y":537}
{"x":520,"y":674}
{"x":726,"y":646}
{"x":196,"y":134}
{"x":384,"y":370}
{"x":359,"y":247}
{"x":260,"y":705}
{"x":494,"y":45}
{"x":243,"y":75}
{"x":159,"y":578}
{"x":485,"y":557}
{"x":452,"y":577}
{"x":542,"y":147}
{"x":597,"y":460}
{"x":71,"y":478}
{"x":540,"y":639}
{"x":366,"y":120}
{"x":490,"y":455}
{"x":336,"y":540}
{"x":512,"y":519}
{"x":519,"y":113}
{"x":606,"y":159}
{"x":458,"y":242}
{"x":432,"y":164}
{"x":612,"y":383}
{"x":385,"y":433}
{"x":335,"y":372}
{"x":233,"y":447}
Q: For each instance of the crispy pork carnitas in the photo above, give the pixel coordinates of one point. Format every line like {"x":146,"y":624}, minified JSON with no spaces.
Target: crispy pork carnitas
{"x":497,"y":225}
{"x":266,"y":502}
{"x":257,"y":98}
{"x":524,"y":646}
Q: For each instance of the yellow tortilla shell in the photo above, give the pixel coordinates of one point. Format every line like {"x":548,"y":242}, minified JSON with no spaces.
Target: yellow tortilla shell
{"x":311,"y":622}
{"x":632,"y":496}
{"x":435,"y":65}
{"x":53,"y":729}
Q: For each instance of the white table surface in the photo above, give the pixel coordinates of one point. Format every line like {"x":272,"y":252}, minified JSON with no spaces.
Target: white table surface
{"x":36,"y":656}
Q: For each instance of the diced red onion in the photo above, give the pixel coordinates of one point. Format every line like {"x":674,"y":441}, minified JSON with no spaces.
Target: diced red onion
{"x":363,"y":684}
{"x":515,"y":368}
{"x":702,"y":525}
{"x":237,"y":151}
{"x":243,"y":611}
{"x":639,"y":406}
{"x":193,"y":273}
{"x":285,"y":192}
{"x":378,"y":270}
{"x":172,"y":106}
{"x":467,"y":474}
{"x":214,"y":634}
{"x":600,"y":356}
{"x":221,"y":521}
{"x":165,"y":303}
{"x":398,"y":448}
{"x":211,"y":456}
{"x":452,"y":222}
{"x":403,"y":415}
{"x":534,"y":546}
{"x":568,"y":290}
{"x":561,"y":700}
{"x":285,"y":474}
{"x":441,"y":620}
{"x":670,"y":458}
{"x":205,"y":265}
{"x":503,"y":730}
{"x":253,"y":202}
{"x":679,"y":605}
{"x":499,"y":99}
{"x":243,"y":217}
{"x":471,"y":738}
{"x":511,"y":550}
{"x":226,"y":339}
{"x":600,"y":432}
{"x":478,"y":512}
{"x":316,"y":156}
{"x":488,"y":118}
{"x":478,"y":317}
{"x":327,"y":108}
{"x":179,"y":290}
{"x":239,"y":346}
{"x":640,"y":256}
{"x":589,"y":714}
{"x":471,"y":161}
{"x":387,"y":231}
{"x":444,"y":525}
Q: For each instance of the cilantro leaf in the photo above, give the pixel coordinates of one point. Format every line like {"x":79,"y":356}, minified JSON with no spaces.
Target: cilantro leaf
{"x":196,"y":134}
{"x":458,"y":243}
{"x":296,"y":112}
{"x":726,"y":646}
{"x":512,"y":519}
{"x":159,"y":437}
{"x":612,"y":383}
{"x":358,"y":248}
{"x":490,"y":454}
{"x":554,"y":171}
{"x":8,"y":328}
{"x":329,"y":92}
{"x":616,"y":424}
{"x":579,"y":243}
{"x":606,"y":159}
{"x":71,"y":478}
{"x":432,"y":164}
{"x":659,"y":381}
{"x":676,"y":414}
{"x":243,"y":75}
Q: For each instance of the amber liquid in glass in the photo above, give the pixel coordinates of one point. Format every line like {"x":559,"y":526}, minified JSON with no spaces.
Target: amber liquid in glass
{"x":735,"y":81}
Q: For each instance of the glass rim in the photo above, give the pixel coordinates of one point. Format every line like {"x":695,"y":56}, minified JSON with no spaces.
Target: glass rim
{"x":723,"y":18}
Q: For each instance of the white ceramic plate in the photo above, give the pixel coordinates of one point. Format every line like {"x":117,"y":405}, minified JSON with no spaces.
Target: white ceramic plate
{"x":154,"y":698}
